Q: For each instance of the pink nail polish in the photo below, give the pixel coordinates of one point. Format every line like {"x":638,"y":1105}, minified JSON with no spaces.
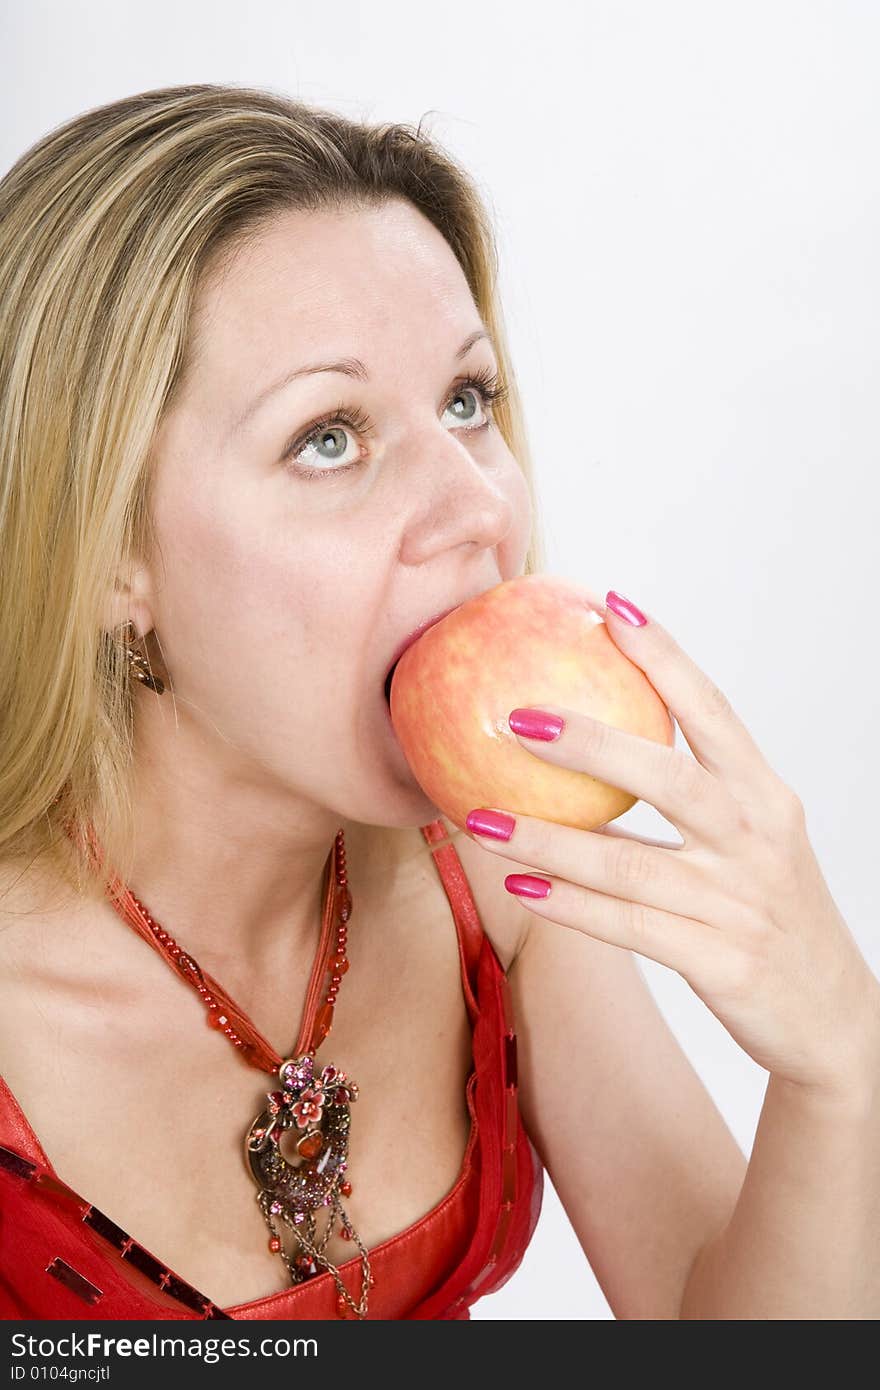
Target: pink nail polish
{"x":536,"y":723}
{"x":498,"y":824}
{"x":625,"y":608}
{"x":527,"y":885}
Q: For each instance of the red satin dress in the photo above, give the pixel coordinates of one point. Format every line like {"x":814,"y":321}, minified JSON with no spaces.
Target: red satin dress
{"x":61,"y":1257}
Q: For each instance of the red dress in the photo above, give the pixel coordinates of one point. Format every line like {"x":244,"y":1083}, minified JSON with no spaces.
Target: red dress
{"x":61,"y":1257}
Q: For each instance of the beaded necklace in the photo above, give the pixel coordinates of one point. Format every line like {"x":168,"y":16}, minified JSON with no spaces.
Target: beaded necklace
{"x":315,"y":1103}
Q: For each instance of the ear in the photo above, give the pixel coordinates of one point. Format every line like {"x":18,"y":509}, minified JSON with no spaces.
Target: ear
{"x":130,"y":601}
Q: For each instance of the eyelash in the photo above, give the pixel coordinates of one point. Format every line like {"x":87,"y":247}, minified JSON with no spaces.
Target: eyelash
{"x":487,"y":384}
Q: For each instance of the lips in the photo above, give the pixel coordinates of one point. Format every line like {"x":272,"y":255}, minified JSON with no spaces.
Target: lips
{"x":408,"y":641}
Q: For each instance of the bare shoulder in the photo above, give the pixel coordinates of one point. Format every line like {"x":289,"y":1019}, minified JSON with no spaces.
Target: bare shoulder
{"x":34,"y":961}
{"x":639,"y":1154}
{"x":29,"y":889}
{"x":504,"y":919}
{"x":46,"y":961}
{"x":29,"y":897}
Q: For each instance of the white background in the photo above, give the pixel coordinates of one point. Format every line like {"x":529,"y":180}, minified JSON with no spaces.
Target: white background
{"x":687,"y":197}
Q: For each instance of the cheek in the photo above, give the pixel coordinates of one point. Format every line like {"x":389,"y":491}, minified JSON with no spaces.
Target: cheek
{"x":254,"y":611}
{"x":229,"y":581}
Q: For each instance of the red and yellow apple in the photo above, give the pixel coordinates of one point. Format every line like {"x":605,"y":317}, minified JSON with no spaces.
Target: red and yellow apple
{"x":532,"y":640}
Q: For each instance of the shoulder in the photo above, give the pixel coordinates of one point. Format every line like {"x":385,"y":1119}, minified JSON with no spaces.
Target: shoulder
{"x":30,"y":891}
{"x":32,"y":961}
{"x":24,"y":903}
{"x":33,"y":898}
{"x":417,"y":881}
{"x":46,"y":933}
{"x":504,"y":919}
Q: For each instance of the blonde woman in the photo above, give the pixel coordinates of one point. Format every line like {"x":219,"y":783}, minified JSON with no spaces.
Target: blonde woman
{"x":259,"y":425}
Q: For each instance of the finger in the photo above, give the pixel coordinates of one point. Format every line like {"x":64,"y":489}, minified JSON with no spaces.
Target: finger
{"x":651,"y":877}
{"x":616,"y":833}
{"x":690,"y":947}
{"x":714,"y":732}
{"x":694,"y":801}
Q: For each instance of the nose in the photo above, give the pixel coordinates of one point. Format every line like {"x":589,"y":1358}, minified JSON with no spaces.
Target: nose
{"x":460,"y":499}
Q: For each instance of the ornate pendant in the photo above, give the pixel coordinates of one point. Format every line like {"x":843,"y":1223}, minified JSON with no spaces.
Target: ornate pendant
{"x":318,"y":1108}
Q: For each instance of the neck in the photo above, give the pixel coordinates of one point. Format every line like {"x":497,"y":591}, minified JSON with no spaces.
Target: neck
{"x":246,"y":903}
{"x":234,"y":868}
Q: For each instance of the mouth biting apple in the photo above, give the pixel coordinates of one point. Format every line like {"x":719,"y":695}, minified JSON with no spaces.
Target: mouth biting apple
{"x":530,"y":641}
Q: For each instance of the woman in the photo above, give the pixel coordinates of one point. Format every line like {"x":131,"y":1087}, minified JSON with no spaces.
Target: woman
{"x":259,"y":425}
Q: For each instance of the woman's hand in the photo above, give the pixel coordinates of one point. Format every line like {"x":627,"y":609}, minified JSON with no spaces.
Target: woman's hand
{"x":741,"y":909}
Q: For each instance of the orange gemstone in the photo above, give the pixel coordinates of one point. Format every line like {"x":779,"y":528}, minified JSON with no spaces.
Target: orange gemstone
{"x":345,"y":1189}
{"x":310,"y":1145}
{"x":339,"y":964}
{"x":275,"y":1244}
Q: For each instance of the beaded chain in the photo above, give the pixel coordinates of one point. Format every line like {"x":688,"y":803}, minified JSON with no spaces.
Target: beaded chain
{"x":319,"y":1105}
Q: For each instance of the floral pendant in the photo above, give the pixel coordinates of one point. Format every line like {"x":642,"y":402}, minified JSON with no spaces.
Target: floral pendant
{"x":319,"y":1108}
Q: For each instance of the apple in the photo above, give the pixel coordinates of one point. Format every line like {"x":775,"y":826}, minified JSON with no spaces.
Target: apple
{"x":530,"y":640}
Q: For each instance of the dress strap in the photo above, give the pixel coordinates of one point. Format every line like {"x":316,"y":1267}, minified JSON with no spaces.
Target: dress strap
{"x":469,"y":927}
{"x":16,"y":1131}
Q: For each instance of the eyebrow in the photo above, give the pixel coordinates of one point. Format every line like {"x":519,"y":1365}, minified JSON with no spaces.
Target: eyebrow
{"x":347,"y":366}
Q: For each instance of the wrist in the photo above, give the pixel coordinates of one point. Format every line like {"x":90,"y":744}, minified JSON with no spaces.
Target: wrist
{"x":851,"y":1082}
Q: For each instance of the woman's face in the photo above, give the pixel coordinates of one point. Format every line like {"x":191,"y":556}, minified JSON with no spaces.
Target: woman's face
{"x":278,"y":597}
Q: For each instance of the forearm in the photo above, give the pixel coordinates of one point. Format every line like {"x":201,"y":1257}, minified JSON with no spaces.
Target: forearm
{"x":803,"y":1241}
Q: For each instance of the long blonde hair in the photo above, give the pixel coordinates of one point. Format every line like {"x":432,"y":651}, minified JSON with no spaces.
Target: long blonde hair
{"x":107,"y":226}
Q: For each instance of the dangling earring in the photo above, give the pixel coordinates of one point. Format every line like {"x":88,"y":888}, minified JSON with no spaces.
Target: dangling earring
{"x":138,"y":666}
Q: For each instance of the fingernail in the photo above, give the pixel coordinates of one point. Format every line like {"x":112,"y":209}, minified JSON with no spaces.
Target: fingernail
{"x":498,"y":824}
{"x":536,"y":723}
{"x":527,"y":885}
{"x":625,"y":608}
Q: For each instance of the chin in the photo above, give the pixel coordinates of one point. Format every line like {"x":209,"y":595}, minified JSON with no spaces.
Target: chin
{"x":397,"y":805}
{"x":408,"y":811}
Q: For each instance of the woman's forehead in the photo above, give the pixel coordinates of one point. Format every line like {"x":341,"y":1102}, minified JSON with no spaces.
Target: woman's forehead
{"x":315,"y":290}
{"x":325,"y":261}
